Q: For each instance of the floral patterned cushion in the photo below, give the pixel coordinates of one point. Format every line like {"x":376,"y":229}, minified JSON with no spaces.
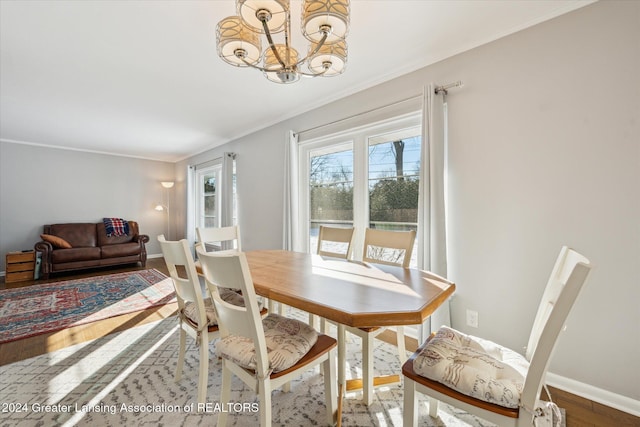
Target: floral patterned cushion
{"x":288,"y":340}
{"x":229,"y":295}
{"x":473,"y":366}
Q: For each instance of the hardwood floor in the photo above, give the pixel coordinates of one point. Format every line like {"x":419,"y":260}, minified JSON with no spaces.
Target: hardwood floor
{"x":580,"y":412}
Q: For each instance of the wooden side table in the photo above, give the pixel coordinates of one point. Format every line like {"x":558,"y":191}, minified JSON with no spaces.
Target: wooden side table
{"x":20,"y":266}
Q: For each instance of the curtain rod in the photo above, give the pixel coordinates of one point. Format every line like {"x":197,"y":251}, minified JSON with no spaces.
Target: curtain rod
{"x":215,"y":159}
{"x":360,"y":114}
{"x":444,"y":88}
{"x":437,"y":90}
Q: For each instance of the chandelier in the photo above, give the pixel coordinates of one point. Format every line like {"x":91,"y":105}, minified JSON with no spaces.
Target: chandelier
{"x":324,"y":23}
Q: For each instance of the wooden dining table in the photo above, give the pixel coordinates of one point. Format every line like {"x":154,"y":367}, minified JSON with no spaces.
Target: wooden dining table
{"x":348,"y":293}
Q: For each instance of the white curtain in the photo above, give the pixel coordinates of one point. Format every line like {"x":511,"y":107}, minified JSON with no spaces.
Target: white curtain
{"x":191,"y":220}
{"x":291,"y":235}
{"x":226,"y":197}
{"x":226,"y":214}
{"x":432,"y":252}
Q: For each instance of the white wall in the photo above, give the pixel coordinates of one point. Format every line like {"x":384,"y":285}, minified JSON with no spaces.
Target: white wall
{"x":41,"y":185}
{"x":544,"y":151}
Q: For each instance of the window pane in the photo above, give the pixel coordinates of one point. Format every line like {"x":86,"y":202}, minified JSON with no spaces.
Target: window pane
{"x":394,"y":168}
{"x":210,"y":217}
{"x":330,"y":192}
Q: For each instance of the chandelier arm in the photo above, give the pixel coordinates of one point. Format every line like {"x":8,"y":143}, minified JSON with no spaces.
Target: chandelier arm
{"x":252,"y":65}
{"x":264,"y":70}
{"x":272,"y":46}
{"x":314,"y":75}
{"x":320,"y":43}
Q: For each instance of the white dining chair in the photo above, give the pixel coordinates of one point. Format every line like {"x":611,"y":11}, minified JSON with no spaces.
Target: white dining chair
{"x":389,"y":248}
{"x":219,"y":238}
{"x":492,"y":381}
{"x":334,"y":242}
{"x":213,"y":239}
{"x":264,"y":353}
{"x":197,"y":319}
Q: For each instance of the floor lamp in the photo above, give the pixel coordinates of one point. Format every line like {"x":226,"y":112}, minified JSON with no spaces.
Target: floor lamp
{"x":160,"y":207}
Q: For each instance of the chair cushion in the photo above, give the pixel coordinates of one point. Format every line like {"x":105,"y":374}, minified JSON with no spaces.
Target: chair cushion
{"x":228,"y":295}
{"x":287,"y":340}
{"x":473,"y":366}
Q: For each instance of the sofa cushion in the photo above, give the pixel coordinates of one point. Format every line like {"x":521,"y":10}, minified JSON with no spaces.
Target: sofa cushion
{"x":121,"y":250}
{"x":60,"y":256}
{"x":473,"y":366}
{"x":77,"y":234}
{"x":56,"y":241}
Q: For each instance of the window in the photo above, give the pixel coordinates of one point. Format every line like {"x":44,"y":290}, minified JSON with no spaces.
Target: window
{"x":366,"y":177}
{"x":208,"y":201}
{"x":212,"y":195}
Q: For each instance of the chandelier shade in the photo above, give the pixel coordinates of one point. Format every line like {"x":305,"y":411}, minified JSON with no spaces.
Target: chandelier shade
{"x":276,"y":10}
{"x":333,"y":57}
{"x":324,"y":23}
{"x":274,"y":70}
{"x":319,"y":14}
{"x":237,"y":44}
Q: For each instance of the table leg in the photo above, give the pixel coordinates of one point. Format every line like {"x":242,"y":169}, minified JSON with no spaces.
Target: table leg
{"x":342,"y":354}
{"x":342,"y":361}
{"x":339,"y":411}
{"x":358,"y":383}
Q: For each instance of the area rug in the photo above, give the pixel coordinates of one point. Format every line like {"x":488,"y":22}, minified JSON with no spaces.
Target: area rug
{"x":127,"y":379}
{"x":38,"y":309}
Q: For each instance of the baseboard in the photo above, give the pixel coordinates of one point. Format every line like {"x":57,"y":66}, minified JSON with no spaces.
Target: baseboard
{"x":605,"y":397}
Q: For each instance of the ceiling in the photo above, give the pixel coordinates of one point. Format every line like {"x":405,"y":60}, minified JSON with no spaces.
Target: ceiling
{"x":142,"y":78}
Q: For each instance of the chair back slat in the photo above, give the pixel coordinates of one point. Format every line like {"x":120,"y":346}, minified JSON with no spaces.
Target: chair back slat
{"x":177,"y":256}
{"x":231,"y":270}
{"x":223,"y":237}
{"x":378,"y":242}
{"x":335,"y":235}
{"x":567,"y":277}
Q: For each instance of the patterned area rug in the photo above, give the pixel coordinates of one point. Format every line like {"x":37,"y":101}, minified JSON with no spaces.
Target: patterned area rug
{"x":34,"y":310}
{"x":127,"y":379}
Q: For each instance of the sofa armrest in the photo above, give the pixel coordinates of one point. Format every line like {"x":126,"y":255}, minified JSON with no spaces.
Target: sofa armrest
{"x":45,"y":248}
{"x":141,"y":238}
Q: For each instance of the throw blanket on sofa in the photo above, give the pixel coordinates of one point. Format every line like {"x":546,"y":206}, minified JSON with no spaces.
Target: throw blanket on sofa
{"x":116,"y":226}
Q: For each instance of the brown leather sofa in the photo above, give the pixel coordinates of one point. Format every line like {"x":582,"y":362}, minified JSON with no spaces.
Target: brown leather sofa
{"x":89,"y":247}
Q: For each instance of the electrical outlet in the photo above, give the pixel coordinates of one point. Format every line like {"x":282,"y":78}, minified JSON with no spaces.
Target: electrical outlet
{"x":472,"y":318}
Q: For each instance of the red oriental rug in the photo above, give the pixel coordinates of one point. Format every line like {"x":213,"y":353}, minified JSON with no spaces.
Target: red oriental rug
{"x":38,"y":309}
